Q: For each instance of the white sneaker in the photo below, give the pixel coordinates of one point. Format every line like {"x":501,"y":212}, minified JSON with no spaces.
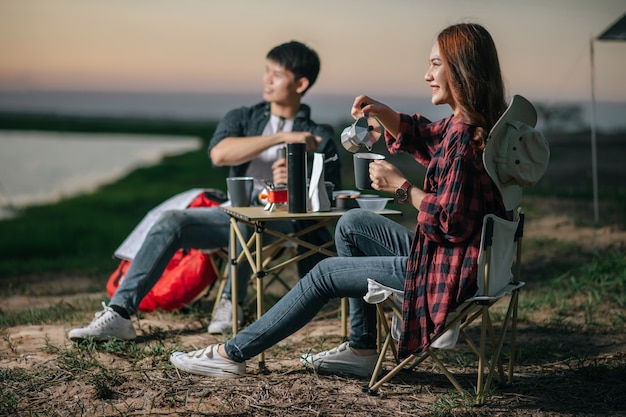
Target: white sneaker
{"x":341,"y":359}
{"x":107,"y":324}
{"x":222,"y":321}
{"x":208,"y":362}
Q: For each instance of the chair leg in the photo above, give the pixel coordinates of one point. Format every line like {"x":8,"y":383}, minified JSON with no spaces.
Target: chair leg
{"x":372,"y":389}
{"x":514,"y":302}
{"x":481,"y":356}
{"x":218,"y":296}
{"x":494,"y":344}
{"x":219,"y":260}
{"x":496,"y":360}
{"x":382,"y":327}
{"x":445,"y":371}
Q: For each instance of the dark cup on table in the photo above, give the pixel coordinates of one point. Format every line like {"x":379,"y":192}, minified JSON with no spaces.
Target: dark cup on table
{"x":362,"y":162}
{"x":240,"y":191}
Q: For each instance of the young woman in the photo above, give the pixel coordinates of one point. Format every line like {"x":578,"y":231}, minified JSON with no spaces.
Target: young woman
{"x":437,"y":264}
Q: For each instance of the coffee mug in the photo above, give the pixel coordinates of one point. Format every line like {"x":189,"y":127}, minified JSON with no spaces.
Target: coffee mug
{"x":240,"y":190}
{"x":362,"y":169}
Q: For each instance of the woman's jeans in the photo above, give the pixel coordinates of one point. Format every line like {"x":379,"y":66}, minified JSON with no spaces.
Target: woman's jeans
{"x":368,"y":246}
{"x":199,"y":228}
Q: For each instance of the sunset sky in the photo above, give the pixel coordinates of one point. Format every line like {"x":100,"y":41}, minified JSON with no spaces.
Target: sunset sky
{"x":365,"y":46}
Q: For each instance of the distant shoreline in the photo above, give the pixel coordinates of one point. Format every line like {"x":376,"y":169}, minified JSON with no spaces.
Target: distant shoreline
{"x":45,"y":167}
{"x":211,"y":106}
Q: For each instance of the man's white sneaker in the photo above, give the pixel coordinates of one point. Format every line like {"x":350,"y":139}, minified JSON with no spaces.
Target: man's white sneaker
{"x":222,"y":320}
{"x":341,"y":359}
{"x":107,"y":324}
{"x":208,"y":362}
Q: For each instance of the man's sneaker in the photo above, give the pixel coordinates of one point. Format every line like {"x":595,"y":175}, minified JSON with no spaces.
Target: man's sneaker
{"x":208,"y":362}
{"x":107,"y":324}
{"x":341,"y":359}
{"x":222,"y":321}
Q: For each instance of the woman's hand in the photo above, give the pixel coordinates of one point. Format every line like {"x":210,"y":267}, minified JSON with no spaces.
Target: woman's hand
{"x":385,"y":177}
{"x":366,"y":106}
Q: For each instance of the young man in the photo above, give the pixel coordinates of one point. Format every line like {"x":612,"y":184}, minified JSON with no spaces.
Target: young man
{"x":247,"y":140}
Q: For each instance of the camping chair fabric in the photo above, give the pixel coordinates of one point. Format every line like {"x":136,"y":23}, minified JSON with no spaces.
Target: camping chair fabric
{"x":500,"y":249}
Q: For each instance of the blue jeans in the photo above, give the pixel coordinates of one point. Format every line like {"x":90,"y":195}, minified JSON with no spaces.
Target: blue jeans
{"x":198,"y":228}
{"x":368,"y":246}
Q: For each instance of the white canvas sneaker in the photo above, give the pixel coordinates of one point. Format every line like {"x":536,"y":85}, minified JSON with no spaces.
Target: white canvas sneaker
{"x":107,"y":324}
{"x":342,"y":360}
{"x":222,"y":320}
{"x":208,"y":362}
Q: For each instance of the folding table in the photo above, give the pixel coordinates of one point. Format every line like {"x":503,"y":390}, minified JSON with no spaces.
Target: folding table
{"x":260,"y":255}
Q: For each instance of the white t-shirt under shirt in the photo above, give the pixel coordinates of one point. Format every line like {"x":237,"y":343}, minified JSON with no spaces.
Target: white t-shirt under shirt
{"x":261,"y":167}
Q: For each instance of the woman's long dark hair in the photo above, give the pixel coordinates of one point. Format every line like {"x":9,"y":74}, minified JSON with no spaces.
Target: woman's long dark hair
{"x":474,"y":76}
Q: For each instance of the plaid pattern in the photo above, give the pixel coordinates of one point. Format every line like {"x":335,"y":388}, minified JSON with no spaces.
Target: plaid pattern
{"x":442,"y":266}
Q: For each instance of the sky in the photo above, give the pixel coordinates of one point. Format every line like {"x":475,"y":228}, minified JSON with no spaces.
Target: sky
{"x":366,"y":47}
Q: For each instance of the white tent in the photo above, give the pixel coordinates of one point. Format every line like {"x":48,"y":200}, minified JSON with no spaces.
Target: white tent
{"x":615,"y":32}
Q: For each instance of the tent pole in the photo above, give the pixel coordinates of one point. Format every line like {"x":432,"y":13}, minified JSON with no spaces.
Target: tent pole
{"x":594,"y":158}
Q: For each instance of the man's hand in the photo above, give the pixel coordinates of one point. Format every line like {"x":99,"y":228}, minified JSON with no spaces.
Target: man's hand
{"x":312,"y":141}
{"x":279,"y":168}
{"x":279,"y":171}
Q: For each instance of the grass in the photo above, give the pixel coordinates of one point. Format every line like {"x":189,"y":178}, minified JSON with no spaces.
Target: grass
{"x":584,"y":290}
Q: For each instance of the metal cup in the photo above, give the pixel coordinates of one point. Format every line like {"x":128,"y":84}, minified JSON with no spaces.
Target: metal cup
{"x":362,"y":162}
{"x":240,"y":190}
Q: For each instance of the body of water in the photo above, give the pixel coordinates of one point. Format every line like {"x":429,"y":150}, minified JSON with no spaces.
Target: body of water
{"x":42,"y":167}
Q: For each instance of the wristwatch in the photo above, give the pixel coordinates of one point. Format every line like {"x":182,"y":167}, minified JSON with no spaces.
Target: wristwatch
{"x":402,"y":193}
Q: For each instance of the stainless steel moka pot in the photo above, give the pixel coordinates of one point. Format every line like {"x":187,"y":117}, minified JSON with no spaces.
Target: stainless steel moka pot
{"x":364,"y":132}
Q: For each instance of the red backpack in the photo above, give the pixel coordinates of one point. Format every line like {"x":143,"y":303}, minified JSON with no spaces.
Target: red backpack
{"x":186,"y":277}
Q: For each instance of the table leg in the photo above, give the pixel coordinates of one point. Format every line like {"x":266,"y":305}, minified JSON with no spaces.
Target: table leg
{"x":233,"y":275}
{"x":260,"y":290}
{"x":344,"y":318}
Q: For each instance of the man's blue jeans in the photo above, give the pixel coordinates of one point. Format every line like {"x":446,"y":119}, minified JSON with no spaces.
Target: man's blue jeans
{"x":198,"y":228}
{"x":368,"y":246}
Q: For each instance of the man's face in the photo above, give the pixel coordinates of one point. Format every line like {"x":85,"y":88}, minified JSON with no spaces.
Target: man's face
{"x":279,"y":85}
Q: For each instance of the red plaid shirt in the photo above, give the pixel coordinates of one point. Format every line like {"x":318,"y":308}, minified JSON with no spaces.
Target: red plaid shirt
{"x":442,"y":266}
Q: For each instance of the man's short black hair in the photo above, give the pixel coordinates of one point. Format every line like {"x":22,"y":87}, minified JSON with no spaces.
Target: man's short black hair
{"x":298,"y":58}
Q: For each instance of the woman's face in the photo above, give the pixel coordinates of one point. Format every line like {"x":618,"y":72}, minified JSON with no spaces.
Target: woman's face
{"x":437,"y":78}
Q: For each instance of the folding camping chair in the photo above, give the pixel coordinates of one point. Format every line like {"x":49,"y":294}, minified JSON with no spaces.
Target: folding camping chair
{"x":219,"y":259}
{"x":501,"y":246}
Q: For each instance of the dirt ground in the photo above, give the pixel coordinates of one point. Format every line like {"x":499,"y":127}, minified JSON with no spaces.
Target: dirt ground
{"x":559,"y":372}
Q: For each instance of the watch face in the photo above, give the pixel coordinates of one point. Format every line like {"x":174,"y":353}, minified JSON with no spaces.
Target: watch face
{"x":401,"y":195}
